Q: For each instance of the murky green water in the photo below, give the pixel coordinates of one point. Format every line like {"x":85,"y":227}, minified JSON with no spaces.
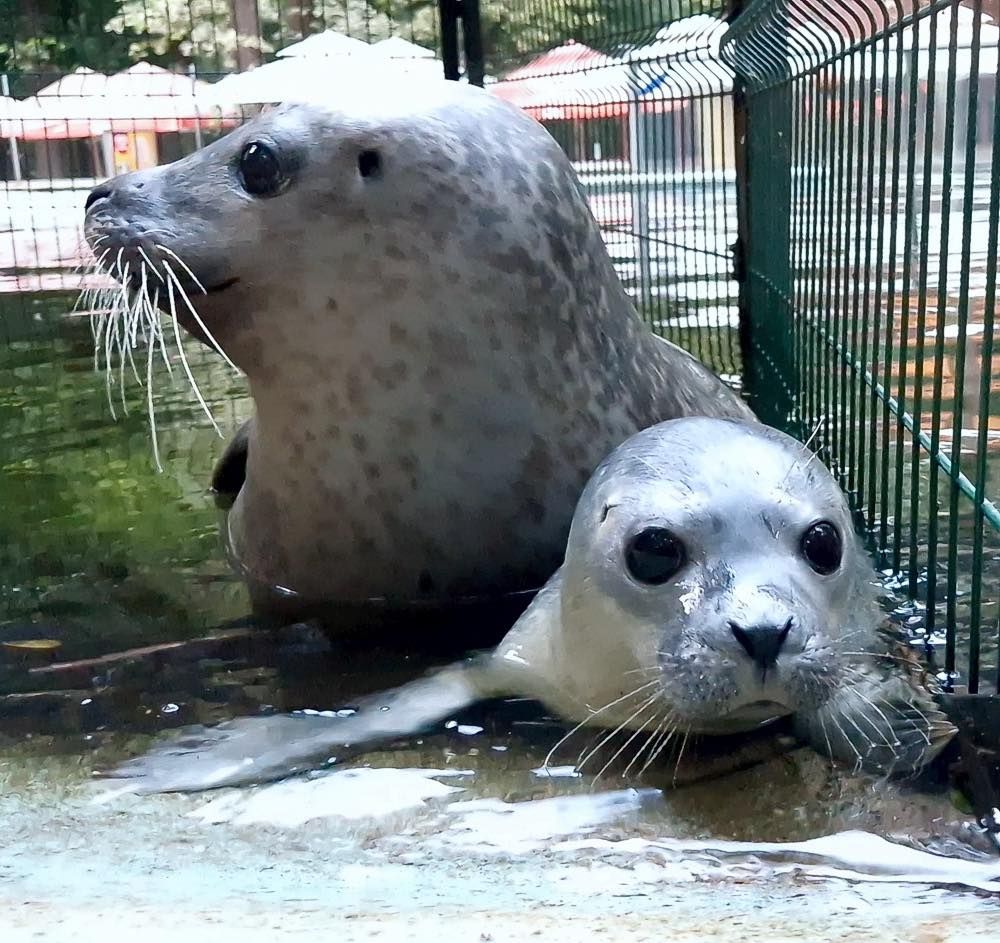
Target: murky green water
{"x":97,"y":548}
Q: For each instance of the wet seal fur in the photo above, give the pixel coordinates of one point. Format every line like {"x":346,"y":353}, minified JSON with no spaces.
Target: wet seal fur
{"x":743,"y":631}
{"x":437,"y":344}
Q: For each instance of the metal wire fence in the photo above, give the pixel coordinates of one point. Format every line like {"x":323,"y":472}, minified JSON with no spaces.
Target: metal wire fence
{"x":798,"y":191}
{"x":870,"y":265}
{"x":806,"y":196}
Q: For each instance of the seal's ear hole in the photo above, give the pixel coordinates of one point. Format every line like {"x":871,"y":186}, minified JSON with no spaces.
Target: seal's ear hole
{"x":369,"y":163}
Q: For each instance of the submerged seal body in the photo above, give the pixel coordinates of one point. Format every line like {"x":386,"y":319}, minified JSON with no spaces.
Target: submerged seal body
{"x":438,"y":347}
{"x":712,"y":583}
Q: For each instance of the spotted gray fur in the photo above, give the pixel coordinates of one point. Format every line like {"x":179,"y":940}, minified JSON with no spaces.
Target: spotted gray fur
{"x":439,"y":355}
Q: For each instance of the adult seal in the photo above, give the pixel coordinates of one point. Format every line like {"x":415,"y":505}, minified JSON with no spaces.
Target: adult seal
{"x":712,"y":584}
{"x":437,"y":344}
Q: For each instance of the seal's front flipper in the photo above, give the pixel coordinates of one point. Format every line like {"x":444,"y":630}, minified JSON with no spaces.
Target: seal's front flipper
{"x":231,"y":470}
{"x":260,"y":749}
{"x":884,"y":720}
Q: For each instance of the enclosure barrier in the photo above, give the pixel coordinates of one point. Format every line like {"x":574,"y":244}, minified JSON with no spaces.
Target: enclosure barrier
{"x":825,"y":170}
{"x":801,"y":192}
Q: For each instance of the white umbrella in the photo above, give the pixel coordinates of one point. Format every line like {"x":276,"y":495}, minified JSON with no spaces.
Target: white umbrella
{"x":327,"y":43}
{"x":319,"y":78}
{"x":395,"y":47}
{"x":414,"y":60}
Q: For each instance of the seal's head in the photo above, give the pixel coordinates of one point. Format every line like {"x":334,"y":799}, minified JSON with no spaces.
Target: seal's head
{"x":720,"y":558}
{"x":342,"y":208}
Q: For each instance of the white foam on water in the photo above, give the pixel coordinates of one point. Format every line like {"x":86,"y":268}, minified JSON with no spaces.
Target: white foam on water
{"x":557,"y":772}
{"x":517,"y":827}
{"x":349,"y":794}
{"x":852,"y":856}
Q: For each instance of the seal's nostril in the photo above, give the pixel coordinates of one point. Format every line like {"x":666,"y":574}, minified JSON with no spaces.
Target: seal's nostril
{"x":762,"y":642}
{"x":98,"y":193}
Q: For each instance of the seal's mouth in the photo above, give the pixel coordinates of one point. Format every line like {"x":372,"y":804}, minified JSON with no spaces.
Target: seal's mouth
{"x":222,"y":286}
{"x":136,"y":283}
{"x":761,"y":708}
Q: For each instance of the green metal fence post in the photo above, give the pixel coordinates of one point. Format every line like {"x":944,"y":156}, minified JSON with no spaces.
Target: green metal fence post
{"x":763,"y":137}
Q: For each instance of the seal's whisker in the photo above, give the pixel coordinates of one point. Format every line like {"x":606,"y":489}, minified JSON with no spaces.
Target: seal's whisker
{"x":871,"y":723}
{"x":809,"y":456}
{"x":124,"y":348}
{"x":149,"y":262}
{"x":591,"y":716}
{"x":183,"y":356}
{"x":156,"y":326}
{"x":150,"y":411}
{"x":144,"y":311}
{"x":132,"y":317}
{"x":97,"y":297}
{"x":680,"y":756}
{"x":582,"y":761}
{"x":880,"y":655}
{"x":663,"y":743}
{"x":184,"y":266}
{"x":651,"y":669}
{"x":826,"y":735}
{"x":586,"y":754}
{"x":648,"y":742}
{"x":108,"y":347}
{"x":187,"y":301}
{"x":625,"y":745}
{"x":860,"y":759}
{"x":92,"y":266}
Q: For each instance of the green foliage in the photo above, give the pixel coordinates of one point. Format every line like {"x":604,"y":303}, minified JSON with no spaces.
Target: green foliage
{"x":48,"y":36}
{"x":59,"y":35}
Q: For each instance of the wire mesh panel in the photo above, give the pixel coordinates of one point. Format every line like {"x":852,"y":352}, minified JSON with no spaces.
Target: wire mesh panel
{"x":637,"y":95}
{"x":871,"y":252}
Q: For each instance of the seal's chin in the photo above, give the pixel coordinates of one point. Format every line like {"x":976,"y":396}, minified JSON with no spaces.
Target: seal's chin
{"x":745,"y":717}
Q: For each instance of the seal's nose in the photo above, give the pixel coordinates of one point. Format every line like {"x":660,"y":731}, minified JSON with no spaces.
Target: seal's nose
{"x":101,"y":192}
{"x":762,"y":642}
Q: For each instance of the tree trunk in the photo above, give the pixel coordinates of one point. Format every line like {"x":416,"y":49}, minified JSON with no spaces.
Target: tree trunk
{"x":247,"y":25}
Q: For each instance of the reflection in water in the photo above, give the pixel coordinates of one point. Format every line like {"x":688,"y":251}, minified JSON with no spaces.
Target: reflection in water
{"x":97,"y":548}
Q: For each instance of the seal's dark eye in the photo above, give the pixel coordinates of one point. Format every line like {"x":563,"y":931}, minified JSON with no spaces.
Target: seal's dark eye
{"x":260,"y":170}
{"x":822,"y":547}
{"x":369,"y":163}
{"x":654,"y":555}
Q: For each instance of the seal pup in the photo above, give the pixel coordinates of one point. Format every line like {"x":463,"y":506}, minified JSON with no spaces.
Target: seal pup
{"x":712,"y":583}
{"x":437,"y":344}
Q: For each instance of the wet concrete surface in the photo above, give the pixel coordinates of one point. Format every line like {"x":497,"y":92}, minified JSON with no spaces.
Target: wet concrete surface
{"x":462,"y":832}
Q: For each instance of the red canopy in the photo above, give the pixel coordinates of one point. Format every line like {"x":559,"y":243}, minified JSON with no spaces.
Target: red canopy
{"x":570,"y":81}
